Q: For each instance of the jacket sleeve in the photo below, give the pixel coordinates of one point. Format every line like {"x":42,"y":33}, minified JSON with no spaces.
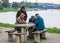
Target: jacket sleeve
{"x":36,"y":21}
{"x":25,"y":16}
{"x":17,"y":15}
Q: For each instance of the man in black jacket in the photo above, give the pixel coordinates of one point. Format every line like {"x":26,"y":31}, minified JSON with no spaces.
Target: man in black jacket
{"x":31,"y":20}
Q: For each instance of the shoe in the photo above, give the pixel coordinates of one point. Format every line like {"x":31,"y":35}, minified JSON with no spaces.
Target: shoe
{"x":30,"y":37}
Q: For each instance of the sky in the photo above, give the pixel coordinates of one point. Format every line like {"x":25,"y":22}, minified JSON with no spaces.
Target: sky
{"x":39,"y":1}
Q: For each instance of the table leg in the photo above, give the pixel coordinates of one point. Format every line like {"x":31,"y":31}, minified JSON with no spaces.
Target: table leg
{"x":23,"y":37}
{"x":18,"y":37}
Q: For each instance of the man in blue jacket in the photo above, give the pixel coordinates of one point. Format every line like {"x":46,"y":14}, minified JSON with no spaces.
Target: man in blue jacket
{"x":39,"y":24}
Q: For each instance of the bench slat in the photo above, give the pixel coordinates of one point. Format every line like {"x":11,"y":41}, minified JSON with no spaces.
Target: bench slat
{"x":37,"y":32}
{"x":10,"y":31}
{"x":17,"y":33}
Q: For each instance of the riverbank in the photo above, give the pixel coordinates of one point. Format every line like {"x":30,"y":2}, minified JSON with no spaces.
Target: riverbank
{"x":8,"y":9}
{"x":50,"y":29}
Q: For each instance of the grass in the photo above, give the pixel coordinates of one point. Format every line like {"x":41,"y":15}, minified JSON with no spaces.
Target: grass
{"x":53,"y":30}
{"x":6,"y":25}
{"x":50,"y":30}
{"x":8,"y":9}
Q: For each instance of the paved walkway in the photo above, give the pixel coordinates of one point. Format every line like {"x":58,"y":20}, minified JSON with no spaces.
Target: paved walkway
{"x":51,"y":38}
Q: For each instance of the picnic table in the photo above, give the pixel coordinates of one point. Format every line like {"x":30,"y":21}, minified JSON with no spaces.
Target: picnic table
{"x":23,"y":38}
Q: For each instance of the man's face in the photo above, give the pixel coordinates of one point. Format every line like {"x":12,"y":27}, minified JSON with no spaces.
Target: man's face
{"x":35,"y":16}
{"x":23,"y":9}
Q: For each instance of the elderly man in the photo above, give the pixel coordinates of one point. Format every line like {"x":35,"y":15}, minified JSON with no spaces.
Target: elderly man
{"x":39,"y":24}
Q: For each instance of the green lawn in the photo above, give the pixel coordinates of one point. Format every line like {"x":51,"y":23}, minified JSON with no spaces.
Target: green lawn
{"x":53,"y":30}
{"x":8,"y":9}
{"x":6,"y":25}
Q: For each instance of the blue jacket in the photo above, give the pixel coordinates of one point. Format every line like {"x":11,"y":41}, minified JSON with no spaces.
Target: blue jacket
{"x":39,"y":23}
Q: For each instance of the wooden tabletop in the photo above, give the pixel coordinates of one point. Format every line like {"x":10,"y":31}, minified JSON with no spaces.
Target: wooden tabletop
{"x":25,"y":25}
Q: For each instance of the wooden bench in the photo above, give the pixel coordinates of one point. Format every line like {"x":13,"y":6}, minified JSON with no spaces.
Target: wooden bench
{"x":10,"y":36}
{"x":18,"y":37}
{"x":37,"y":35}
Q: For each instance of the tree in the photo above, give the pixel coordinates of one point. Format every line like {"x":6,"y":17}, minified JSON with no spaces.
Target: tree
{"x":15,"y":5}
{"x":5,"y":3}
{"x":1,"y":5}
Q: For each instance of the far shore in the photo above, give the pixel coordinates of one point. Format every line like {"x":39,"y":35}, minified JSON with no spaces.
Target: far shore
{"x":10,"y":9}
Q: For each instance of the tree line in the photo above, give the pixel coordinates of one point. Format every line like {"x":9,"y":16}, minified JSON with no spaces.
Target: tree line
{"x":16,"y":5}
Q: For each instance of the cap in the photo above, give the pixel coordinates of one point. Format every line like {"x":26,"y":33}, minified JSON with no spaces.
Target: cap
{"x":32,"y":17}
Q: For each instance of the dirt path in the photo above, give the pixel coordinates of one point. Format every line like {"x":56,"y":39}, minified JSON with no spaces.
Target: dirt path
{"x":51,"y":38}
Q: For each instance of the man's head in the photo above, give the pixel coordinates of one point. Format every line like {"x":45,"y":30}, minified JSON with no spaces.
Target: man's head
{"x":32,"y":18}
{"x":36,"y":15}
{"x":22,"y":8}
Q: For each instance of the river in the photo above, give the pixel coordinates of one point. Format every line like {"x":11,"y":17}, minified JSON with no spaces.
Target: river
{"x":51,"y":17}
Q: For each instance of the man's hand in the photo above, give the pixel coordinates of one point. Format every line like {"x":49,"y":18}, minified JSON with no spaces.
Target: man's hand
{"x":24,"y":22}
